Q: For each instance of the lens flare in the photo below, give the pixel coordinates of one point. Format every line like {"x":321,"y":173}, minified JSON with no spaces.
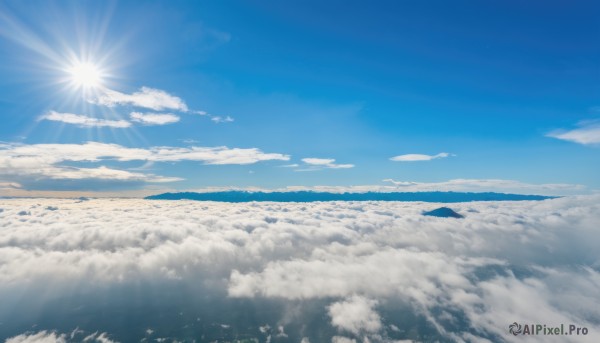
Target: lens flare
{"x":85,"y":75}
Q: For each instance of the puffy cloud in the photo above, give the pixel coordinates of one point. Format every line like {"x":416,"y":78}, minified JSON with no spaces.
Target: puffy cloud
{"x":587,"y":133}
{"x":154,"y":118}
{"x":146,"y":97}
{"x":43,"y":160}
{"x":365,"y":264}
{"x":84,"y":121}
{"x":355,"y":315}
{"x":419,"y":157}
{"x":319,"y":163}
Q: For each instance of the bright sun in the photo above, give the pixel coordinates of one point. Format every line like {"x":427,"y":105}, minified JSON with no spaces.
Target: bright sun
{"x":85,"y":75}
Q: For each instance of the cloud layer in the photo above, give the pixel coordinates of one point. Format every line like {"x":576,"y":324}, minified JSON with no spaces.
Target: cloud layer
{"x":364,"y":265}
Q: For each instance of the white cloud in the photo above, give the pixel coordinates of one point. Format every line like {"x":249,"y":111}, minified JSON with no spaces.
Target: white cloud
{"x":84,"y":121}
{"x":154,"y":99}
{"x":39,"y":337}
{"x":319,"y":163}
{"x":358,"y":261}
{"x":419,"y":157}
{"x":71,"y":194}
{"x":219,"y":119}
{"x":154,"y":118}
{"x":102,"y":173}
{"x":53,"y":337}
{"x":9,"y":185}
{"x":213,"y":155}
{"x":44,"y":160}
{"x":189,"y":141}
{"x":588,"y":133}
{"x":99,"y":338}
{"x":355,"y":315}
{"x":488,"y":185}
{"x":455,"y":185}
{"x":26,"y":155}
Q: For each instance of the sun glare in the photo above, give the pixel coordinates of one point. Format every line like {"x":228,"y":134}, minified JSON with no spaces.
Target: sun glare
{"x":85,"y":75}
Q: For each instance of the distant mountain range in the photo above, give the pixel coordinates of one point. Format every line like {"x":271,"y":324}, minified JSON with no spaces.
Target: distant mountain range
{"x":308,"y":196}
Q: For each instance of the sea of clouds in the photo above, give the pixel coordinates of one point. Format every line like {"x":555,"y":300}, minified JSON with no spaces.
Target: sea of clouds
{"x":119,"y":270}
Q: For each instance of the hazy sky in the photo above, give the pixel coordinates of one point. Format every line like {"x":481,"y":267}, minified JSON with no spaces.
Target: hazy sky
{"x":119,"y":96}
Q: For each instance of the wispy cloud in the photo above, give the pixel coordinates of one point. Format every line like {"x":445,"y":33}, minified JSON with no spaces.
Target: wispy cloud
{"x":146,"y":97}
{"x":9,"y":185}
{"x":44,"y":160}
{"x":219,"y":119}
{"x":84,"y":121}
{"x":318,"y":161}
{"x":321,"y":163}
{"x":152,"y":99}
{"x":419,"y":157}
{"x":103,"y":173}
{"x":588,"y":133}
{"x":54,"y":337}
{"x":487,"y":185}
{"x":456,"y":185}
{"x":154,"y":118}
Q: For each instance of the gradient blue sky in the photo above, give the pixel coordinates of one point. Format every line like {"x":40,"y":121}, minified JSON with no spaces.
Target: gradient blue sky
{"x":503,"y":90}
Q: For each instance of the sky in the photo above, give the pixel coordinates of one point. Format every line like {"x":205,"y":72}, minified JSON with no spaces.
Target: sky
{"x":121,"y":98}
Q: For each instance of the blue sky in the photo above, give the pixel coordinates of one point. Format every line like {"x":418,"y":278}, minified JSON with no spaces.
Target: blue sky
{"x":461,"y":95}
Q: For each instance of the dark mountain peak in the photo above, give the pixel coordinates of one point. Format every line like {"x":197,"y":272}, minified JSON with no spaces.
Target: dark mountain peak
{"x":443,"y":212}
